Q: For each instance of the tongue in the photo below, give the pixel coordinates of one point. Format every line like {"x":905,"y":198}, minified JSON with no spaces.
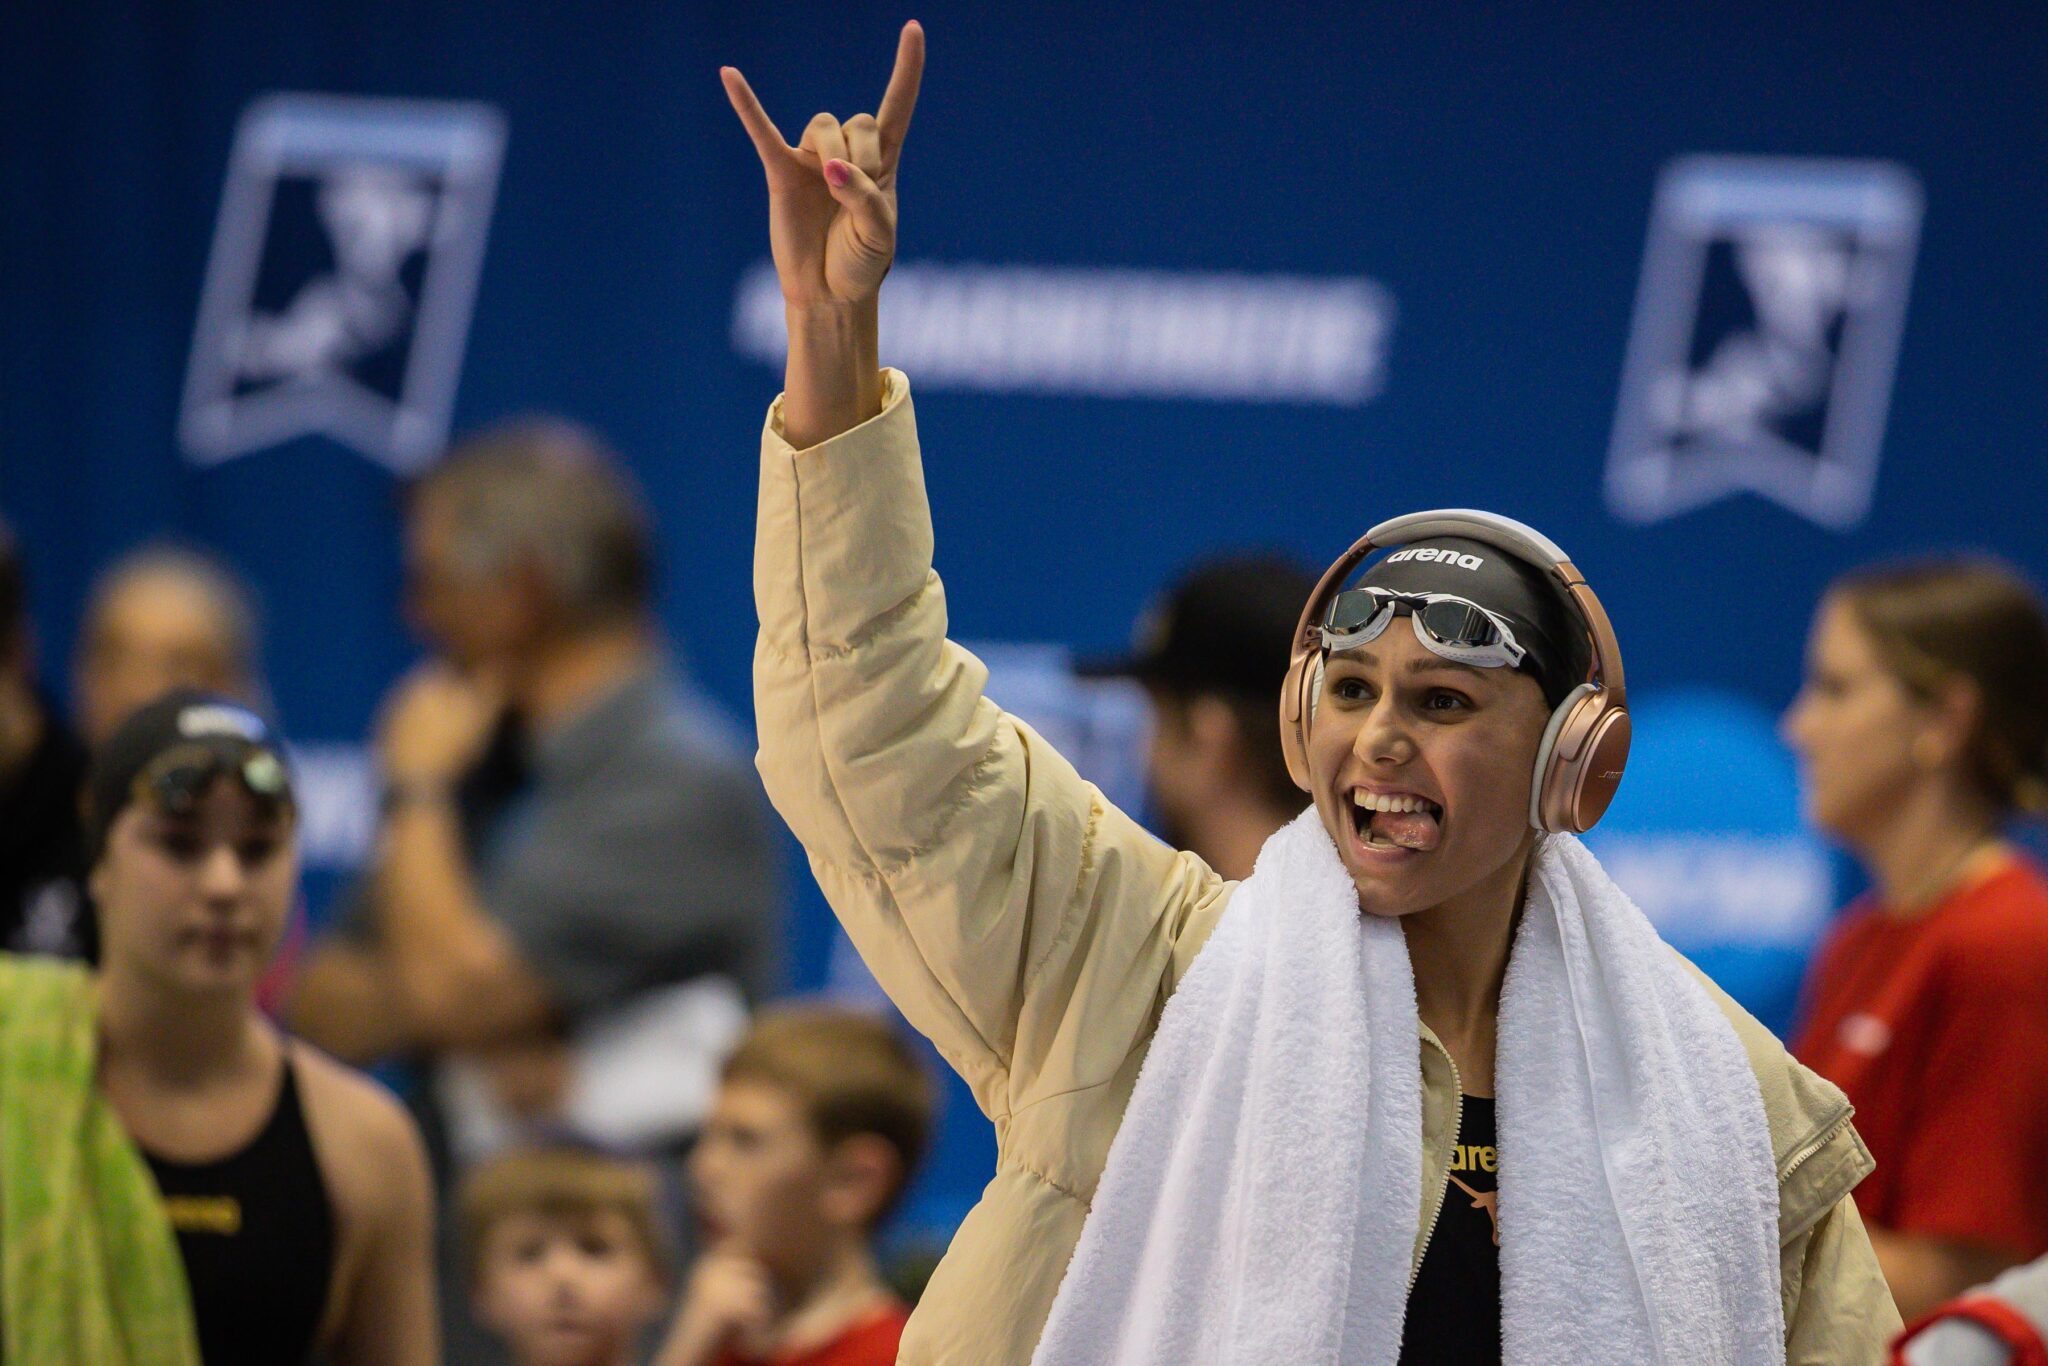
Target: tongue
{"x":1409,"y":829}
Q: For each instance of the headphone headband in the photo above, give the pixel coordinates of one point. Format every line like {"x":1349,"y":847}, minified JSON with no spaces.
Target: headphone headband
{"x":1504,"y":533}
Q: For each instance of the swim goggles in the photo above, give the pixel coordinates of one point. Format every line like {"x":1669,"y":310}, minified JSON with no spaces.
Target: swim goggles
{"x":1455,"y":628}
{"x":178,"y":779}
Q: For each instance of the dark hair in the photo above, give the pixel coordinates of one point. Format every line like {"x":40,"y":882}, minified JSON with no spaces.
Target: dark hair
{"x":549,"y":490}
{"x":1933,"y":621}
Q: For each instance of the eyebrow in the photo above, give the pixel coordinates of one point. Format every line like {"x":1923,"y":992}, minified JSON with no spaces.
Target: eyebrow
{"x":1358,"y":654}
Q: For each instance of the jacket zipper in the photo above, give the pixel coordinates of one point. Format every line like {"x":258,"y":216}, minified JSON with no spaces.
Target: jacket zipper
{"x":1815,"y":1144}
{"x":1443,"y":1188}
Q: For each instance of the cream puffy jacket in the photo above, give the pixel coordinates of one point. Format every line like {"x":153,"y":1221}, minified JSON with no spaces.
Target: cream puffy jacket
{"x":1033,"y":931}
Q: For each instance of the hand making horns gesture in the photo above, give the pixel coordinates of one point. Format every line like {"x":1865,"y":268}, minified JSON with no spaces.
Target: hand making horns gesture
{"x":832,"y":197}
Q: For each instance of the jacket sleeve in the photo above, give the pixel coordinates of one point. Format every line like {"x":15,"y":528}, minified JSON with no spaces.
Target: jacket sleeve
{"x":1023,"y":924}
{"x":1838,"y":1310}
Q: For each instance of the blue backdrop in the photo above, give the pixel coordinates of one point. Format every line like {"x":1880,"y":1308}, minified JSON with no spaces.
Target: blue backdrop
{"x":1492,"y":170}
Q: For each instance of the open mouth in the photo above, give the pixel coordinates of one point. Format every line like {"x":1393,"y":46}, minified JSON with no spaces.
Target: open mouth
{"x":1396,"y":820}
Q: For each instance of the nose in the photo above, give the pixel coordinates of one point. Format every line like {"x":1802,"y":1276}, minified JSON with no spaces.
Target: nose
{"x":1383,"y":736}
{"x":562,"y":1262}
{"x":221,"y":875}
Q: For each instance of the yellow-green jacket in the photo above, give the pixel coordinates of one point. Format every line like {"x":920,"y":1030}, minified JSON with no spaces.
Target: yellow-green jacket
{"x":1033,"y":931}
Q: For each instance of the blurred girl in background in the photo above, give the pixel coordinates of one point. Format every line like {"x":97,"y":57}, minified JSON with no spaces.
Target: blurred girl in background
{"x":1922,"y":730}
{"x":179,"y":1182}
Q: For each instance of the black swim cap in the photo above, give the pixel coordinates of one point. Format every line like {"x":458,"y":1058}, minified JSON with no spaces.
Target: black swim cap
{"x":1558,"y":651}
{"x":210,"y":734}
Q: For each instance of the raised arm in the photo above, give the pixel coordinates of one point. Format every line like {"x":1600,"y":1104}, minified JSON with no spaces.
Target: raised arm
{"x":1014,"y":916}
{"x":832,"y":230}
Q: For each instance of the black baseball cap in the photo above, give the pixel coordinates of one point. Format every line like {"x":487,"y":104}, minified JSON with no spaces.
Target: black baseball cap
{"x":221,"y":735}
{"x":1226,"y":626}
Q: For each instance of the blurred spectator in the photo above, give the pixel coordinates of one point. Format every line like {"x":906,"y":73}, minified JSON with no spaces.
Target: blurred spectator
{"x":42,"y":774}
{"x":818,"y":1126}
{"x":565,"y":1254}
{"x":2004,"y":1323}
{"x":1922,"y":729}
{"x":571,"y":898}
{"x":159,"y":618}
{"x":1211,"y":658}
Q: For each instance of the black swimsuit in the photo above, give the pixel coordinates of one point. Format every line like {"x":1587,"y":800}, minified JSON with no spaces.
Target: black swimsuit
{"x":1454,"y":1306}
{"x":257,"y":1234}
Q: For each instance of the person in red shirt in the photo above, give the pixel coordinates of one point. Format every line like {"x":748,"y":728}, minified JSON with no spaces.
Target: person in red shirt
{"x":1922,"y":730}
{"x":819,"y":1121}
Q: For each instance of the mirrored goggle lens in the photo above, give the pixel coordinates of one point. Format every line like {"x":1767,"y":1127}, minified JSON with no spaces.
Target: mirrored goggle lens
{"x":1355,"y":609}
{"x":178,"y":788}
{"x":1462,"y":624}
{"x":179,"y":782}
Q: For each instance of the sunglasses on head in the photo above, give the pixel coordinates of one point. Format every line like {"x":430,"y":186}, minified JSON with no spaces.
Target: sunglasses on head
{"x":177,"y":780}
{"x":1454,"y":628}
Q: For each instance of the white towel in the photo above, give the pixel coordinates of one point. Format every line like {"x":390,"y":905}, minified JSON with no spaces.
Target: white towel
{"x":1260,"y":1201}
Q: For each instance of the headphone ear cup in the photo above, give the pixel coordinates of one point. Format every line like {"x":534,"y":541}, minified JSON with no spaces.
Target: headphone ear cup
{"x":1296,"y":706}
{"x":1583,"y":763}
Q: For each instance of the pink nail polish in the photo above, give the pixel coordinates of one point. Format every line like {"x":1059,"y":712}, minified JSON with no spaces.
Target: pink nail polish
{"x":838,"y":172}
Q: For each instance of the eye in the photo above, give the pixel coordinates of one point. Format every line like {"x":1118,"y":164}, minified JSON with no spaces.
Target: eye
{"x":183,"y":846}
{"x":1445,"y":700}
{"x":1352,"y":689}
{"x":258,"y":850}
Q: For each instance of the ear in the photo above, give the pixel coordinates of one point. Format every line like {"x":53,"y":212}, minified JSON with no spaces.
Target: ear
{"x":860,"y":1175}
{"x":531,"y":592}
{"x":1169,"y":712}
{"x":1216,"y":736}
{"x":1953,"y":717}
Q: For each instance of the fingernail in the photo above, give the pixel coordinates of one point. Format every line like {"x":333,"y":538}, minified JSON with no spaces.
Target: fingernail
{"x":838,"y":173}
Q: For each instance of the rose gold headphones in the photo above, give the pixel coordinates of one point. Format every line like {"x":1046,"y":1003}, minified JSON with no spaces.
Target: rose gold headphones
{"x":1585,"y":746}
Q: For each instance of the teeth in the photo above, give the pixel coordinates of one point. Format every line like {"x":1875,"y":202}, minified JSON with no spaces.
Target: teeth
{"x":1371,"y":801}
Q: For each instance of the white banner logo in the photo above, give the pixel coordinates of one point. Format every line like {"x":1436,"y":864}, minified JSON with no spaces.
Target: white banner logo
{"x":344,"y":266}
{"x":1766,"y":328}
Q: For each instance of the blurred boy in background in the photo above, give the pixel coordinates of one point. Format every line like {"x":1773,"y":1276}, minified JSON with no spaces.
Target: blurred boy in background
{"x":565,"y":1254}
{"x":818,"y":1124}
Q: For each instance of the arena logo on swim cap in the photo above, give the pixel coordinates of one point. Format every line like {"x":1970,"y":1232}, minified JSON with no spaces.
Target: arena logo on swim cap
{"x":1439,"y":556}
{"x":198,"y":722}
